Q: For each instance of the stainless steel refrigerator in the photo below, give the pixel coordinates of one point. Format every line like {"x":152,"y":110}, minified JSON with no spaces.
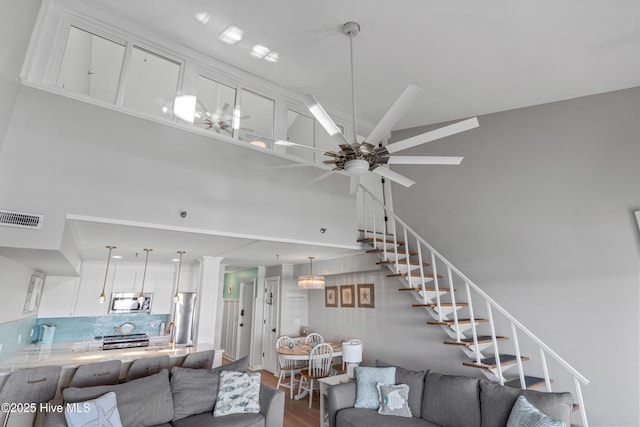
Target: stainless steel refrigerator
{"x":185,"y":317}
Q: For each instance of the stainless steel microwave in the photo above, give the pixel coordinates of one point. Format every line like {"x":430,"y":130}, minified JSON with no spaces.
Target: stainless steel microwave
{"x":127,"y":302}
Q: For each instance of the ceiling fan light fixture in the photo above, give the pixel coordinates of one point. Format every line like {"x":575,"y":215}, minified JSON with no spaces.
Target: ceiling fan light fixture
{"x":231,"y":35}
{"x":356,"y":167}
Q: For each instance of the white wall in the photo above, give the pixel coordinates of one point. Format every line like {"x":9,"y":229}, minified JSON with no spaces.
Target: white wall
{"x":539,"y":215}
{"x":16,"y":22}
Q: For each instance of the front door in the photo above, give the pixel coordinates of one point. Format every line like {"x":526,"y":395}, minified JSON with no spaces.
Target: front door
{"x":271,"y":328}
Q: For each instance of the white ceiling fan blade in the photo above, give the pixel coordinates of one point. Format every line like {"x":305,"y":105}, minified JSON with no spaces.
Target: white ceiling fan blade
{"x":406,"y":100}
{"x":321,"y":177}
{"x":432,"y":135}
{"x":325,"y":120}
{"x":293,"y":165}
{"x":394,"y":176}
{"x":424,"y":160}
{"x":354,"y":183}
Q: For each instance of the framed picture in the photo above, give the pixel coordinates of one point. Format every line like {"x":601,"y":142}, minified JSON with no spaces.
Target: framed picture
{"x":347,"y":297}
{"x":331,"y":296}
{"x":366,"y":297}
{"x":33,"y":294}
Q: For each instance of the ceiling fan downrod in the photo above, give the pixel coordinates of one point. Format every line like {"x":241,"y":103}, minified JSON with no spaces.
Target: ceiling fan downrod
{"x":351,"y":29}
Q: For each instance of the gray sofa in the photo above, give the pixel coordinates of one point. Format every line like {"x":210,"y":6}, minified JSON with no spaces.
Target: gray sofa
{"x":186,"y":399}
{"x":438,"y":400}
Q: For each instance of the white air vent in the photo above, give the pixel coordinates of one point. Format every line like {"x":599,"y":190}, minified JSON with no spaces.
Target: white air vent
{"x":21,"y":219}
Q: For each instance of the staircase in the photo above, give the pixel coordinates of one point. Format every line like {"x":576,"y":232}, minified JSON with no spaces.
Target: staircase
{"x":451,"y":300}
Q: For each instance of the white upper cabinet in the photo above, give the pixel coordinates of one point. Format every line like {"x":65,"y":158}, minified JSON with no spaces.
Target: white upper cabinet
{"x":58,"y":296}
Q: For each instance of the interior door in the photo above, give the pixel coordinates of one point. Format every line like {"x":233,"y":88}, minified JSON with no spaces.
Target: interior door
{"x":245,"y":318}
{"x":271,"y":331}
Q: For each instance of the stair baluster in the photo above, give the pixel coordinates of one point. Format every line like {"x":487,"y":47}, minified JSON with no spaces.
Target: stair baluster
{"x":494,"y":339}
{"x":474,"y":330}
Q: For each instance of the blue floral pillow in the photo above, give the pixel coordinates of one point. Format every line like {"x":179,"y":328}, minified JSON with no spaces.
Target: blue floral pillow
{"x":525,"y":414}
{"x":238,"y":393}
{"x":367,"y":382}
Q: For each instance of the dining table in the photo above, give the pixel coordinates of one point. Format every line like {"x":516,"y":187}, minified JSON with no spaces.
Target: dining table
{"x":301,"y":351}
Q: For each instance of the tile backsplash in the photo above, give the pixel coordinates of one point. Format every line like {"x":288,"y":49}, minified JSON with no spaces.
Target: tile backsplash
{"x":94,"y":327}
{"x":14,"y":336}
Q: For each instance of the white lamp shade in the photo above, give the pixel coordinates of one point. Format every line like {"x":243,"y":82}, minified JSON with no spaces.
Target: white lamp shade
{"x":351,"y":352}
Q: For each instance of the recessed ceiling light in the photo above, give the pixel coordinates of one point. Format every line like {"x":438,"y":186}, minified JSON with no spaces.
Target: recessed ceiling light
{"x":117,"y":257}
{"x":203,"y":17}
{"x":175,"y":259}
{"x":272,"y":57}
{"x":231,"y":35}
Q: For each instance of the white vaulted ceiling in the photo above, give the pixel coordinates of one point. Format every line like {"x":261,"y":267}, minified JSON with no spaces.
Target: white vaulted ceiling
{"x":471,"y":57}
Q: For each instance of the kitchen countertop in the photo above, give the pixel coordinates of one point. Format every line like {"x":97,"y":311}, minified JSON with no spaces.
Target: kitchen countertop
{"x":60,"y":354}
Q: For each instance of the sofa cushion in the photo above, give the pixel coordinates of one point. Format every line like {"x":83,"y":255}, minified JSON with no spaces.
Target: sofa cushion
{"x":497,"y":402}
{"x":452,"y":401}
{"x":142,"y":402}
{"x":415,"y":381}
{"x":195,"y":390}
{"x":238,"y":393}
{"x":358,"y":417}
{"x":367,"y":379}
{"x":525,"y":414}
{"x":234,"y":420}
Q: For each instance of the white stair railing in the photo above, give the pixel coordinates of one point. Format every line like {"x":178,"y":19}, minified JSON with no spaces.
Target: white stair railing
{"x":370,"y":203}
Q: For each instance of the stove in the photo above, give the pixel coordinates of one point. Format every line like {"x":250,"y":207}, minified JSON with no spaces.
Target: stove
{"x":112,"y":342}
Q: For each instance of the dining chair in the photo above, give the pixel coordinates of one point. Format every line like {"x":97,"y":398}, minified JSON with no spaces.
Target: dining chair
{"x":287,"y":365}
{"x":29,"y":386}
{"x":149,"y":366}
{"x":99,"y":373}
{"x":199,"y":360}
{"x":319,"y":367}
{"x":313,"y":337}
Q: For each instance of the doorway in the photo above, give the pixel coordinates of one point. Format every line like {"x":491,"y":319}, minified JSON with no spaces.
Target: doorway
{"x":271,"y":329}
{"x":245,"y":318}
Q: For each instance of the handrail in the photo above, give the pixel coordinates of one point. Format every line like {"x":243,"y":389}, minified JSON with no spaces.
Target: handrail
{"x":515,"y":323}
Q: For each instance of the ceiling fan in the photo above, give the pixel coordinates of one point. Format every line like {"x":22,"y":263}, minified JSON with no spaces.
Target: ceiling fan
{"x":220,"y":121}
{"x":356,"y":158}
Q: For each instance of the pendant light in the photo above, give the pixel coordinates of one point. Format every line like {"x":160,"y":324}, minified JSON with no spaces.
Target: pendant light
{"x":176,"y":297}
{"x":311,"y":281}
{"x":104,"y":284}
{"x":144,"y":276}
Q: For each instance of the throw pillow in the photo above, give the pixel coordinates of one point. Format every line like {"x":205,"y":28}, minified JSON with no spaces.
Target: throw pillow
{"x":394,"y":400}
{"x":239,"y":393}
{"x":195,"y":390}
{"x":415,"y":381}
{"x":99,"y":412}
{"x":525,"y":414}
{"x":367,"y":380}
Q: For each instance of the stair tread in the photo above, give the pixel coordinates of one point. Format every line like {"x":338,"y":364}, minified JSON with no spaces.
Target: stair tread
{"x":468,"y":342}
{"x":427,"y":289}
{"x":490,"y":362}
{"x":532,"y":383}
{"x":378,"y":250}
{"x":402,"y":262}
{"x":427,"y":276}
{"x":369,"y":240}
{"x":452,"y":322}
{"x":442,"y":304}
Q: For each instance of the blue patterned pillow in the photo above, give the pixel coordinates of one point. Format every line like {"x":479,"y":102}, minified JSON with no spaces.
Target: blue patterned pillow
{"x":367,"y":381}
{"x":394,"y":400}
{"x":238,"y":393}
{"x":525,"y":414}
